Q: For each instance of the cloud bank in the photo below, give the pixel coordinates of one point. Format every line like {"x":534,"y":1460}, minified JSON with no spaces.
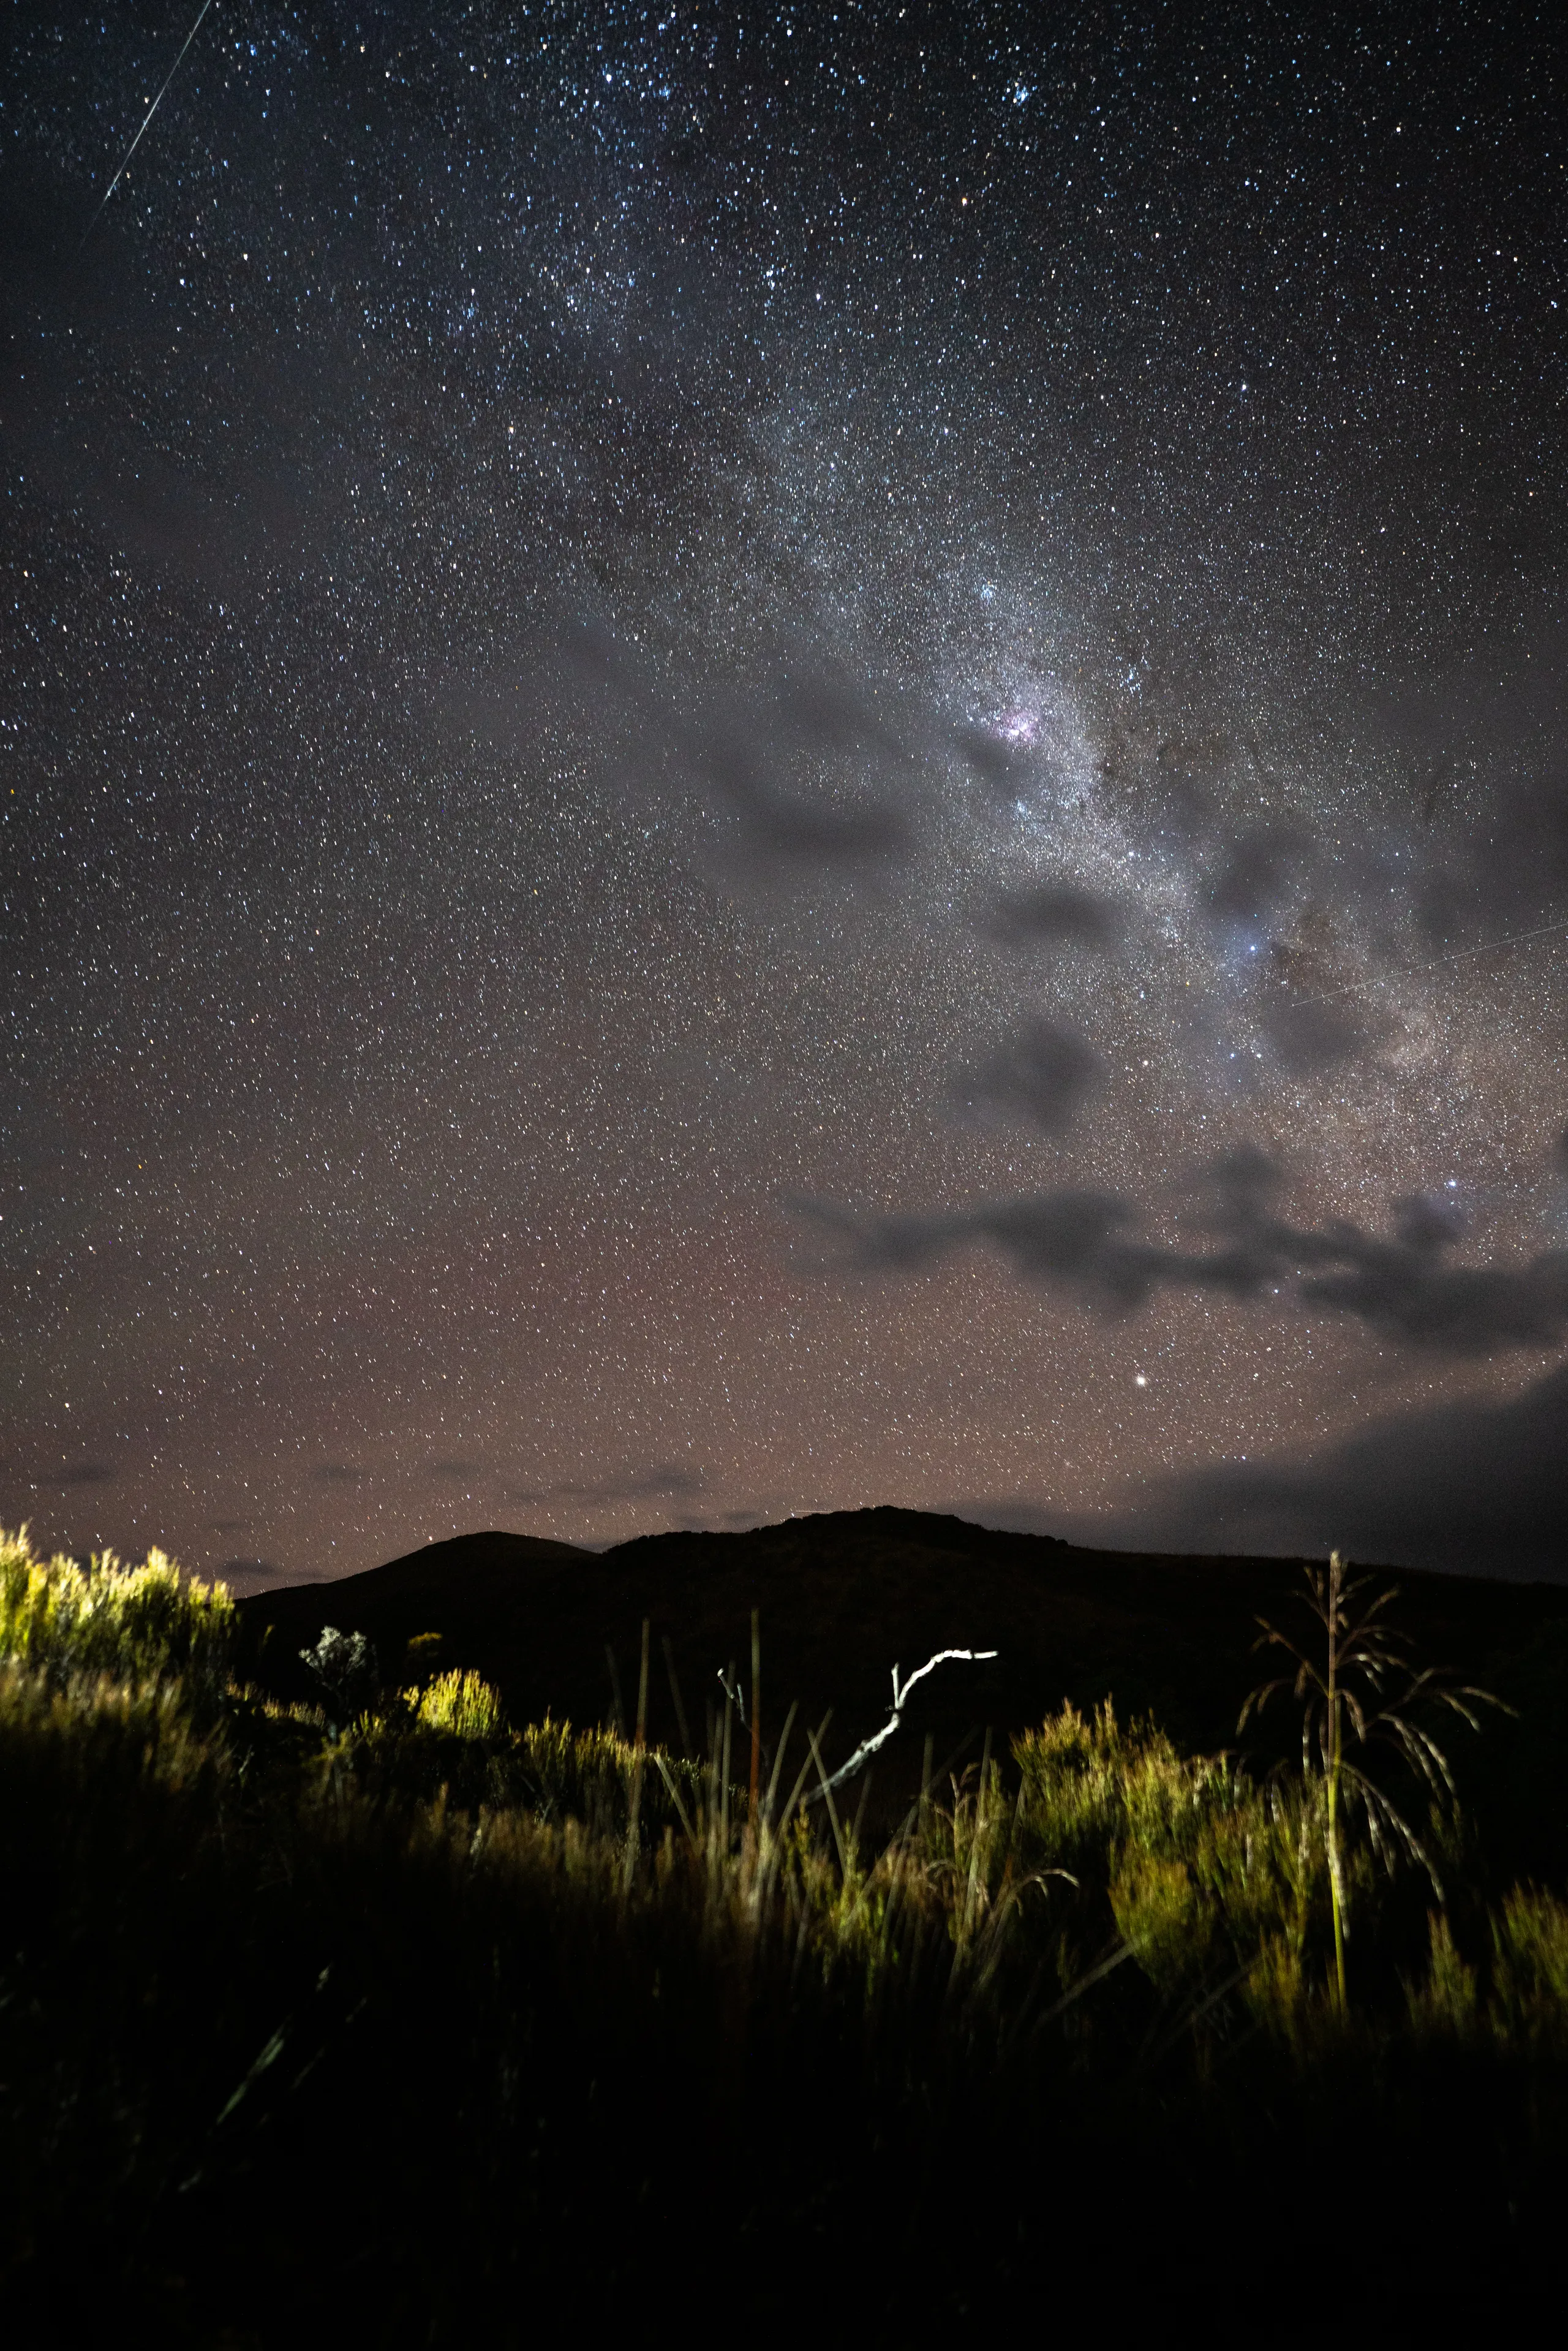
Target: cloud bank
{"x":1472,"y":1485}
{"x":1402,"y":1284}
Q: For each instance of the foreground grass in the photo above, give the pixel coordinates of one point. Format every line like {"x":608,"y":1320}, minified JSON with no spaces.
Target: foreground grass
{"x":404,"y":2026}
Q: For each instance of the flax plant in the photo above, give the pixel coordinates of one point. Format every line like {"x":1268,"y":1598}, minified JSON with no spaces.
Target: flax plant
{"x":1347,"y":1690}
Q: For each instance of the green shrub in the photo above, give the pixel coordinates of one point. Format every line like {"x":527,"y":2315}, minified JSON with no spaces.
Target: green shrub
{"x":460,"y":1704}
{"x":1197,"y":1870}
{"x":142,"y":1625}
{"x":1529,"y":2005}
{"x":1445,"y":2002}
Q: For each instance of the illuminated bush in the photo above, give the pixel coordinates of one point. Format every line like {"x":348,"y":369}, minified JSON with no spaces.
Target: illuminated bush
{"x":139,"y":1625}
{"x":461,"y":1703}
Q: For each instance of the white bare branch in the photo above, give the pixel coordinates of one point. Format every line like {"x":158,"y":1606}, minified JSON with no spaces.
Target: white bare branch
{"x":868,"y":1746}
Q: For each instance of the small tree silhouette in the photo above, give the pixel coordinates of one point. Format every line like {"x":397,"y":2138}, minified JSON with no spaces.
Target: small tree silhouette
{"x":1346,"y":1687}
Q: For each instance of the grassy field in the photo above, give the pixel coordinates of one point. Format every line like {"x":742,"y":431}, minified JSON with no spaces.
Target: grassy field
{"x":367,"y":2014}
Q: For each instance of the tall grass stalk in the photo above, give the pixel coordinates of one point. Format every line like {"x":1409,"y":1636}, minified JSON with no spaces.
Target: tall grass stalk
{"x":756,"y":1711}
{"x":1346,"y":1687}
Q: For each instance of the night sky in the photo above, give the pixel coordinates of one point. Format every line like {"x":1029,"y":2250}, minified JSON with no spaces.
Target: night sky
{"x":756,"y":760}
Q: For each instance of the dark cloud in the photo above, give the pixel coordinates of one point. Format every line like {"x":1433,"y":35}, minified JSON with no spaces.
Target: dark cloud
{"x":791,"y":769}
{"x":669,"y":1480}
{"x":1191,"y":772}
{"x":1075,"y":1237}
{"x":1058,"y":914}
{"x":1484,"y":752}
{"x":1313,"y":1036}
{"x":1045,"y":1074}
{"x":338,"y":1473}
{"x":1003,"y":767}
{"x":1506,"y":883}
{"x":253,"y":1574}
{"x":1402,"y":1284}
{"x":1258,"y":872}
{"x":456,"y":1470}
{"x":1473,"y":1485}
{"x":800,"y":768}
{"x":75,"y":1473}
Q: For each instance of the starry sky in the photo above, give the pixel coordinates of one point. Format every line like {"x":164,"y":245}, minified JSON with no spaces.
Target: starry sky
{"x":756,"y":759}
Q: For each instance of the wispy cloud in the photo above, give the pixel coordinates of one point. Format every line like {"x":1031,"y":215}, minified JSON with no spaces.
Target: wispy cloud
{"x":1403,"y":1283}
{"x":1044,"y":1075}
{"x":672,"y":1481}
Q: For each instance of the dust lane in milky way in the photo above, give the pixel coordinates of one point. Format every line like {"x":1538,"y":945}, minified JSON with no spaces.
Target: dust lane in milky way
{"x":759,"y":760}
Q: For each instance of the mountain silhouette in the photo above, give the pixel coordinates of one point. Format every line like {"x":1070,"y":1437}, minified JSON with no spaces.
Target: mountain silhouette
{"x":844,"y":1596}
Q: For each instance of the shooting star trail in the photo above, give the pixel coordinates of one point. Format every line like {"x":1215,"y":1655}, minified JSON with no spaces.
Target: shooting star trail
{"x":151,"y":112}
{"x":1405,"y":970}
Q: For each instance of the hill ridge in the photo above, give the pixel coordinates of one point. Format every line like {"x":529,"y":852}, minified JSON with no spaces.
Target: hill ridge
{"x":843,"y":1596}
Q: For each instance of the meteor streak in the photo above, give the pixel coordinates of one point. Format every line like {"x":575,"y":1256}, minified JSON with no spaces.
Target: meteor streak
{"x":151,"y":112}
{"x":1459,"y":955}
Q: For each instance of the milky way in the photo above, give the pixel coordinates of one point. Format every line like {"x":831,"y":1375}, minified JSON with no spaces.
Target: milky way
{"x":758,"y":760}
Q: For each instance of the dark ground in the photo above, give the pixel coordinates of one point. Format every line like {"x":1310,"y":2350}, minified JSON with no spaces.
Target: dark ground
{"x":499,"y":2100}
